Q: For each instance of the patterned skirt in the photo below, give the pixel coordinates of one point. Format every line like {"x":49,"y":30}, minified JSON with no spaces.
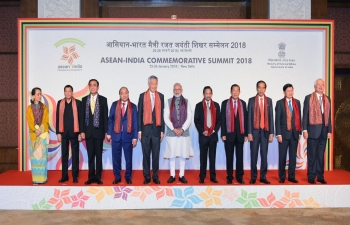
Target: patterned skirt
{"x":38,"y":160}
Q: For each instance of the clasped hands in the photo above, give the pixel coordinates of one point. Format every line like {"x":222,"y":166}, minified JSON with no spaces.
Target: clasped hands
{"x":178,"y":132}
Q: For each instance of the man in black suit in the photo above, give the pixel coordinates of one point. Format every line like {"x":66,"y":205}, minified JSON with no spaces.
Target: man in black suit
{"x":68,"y":130}
{"x":207,"y":120}
{"x":151,"y":128}
{"x":234,"y":132}
{"x":317,"y":128}
{"x":288,"y":129}
{"x":94,"y":129}
{"x":260,"y":131}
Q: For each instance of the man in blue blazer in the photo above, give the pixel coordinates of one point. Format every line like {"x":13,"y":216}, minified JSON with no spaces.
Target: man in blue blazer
{"x":122,"y":130}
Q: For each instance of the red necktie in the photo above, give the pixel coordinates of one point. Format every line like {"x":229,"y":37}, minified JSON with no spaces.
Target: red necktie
{"x":262,"y":121}
{"x":123,"y":109}
{"x":123,"y":112}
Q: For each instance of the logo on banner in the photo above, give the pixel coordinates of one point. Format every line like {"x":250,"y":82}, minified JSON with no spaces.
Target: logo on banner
{"x":282,"y":47}
{"x":281,"y":62}
{"x":70,"y":54}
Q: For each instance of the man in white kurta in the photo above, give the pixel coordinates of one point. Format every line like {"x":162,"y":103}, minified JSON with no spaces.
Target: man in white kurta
{"x":177,"y":118}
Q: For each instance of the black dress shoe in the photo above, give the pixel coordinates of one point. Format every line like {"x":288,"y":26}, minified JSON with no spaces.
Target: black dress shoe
{"x":281,"y":181}
{"x":63,"y":180}
{"x":311,"y":181}
{"x":201,"y":181}
{"x":88,"y":182}
{"x":322,"y":181}
{"x":146,"y":181}
{"x":252,"y":181}
{"x":264,"y":181}
{"x":75,"y":180}
{"x":99,"y":182}
{"x":183,"y":180}
{"x":171,"y":179}
{"x":241,"y":181}
{"x":229,"y":181}
{"x":116,"y":181}
{"x":156,"y":181}
{"x":128,"y":181}
{"x":293,"y":180}
{"x":214,"y":180}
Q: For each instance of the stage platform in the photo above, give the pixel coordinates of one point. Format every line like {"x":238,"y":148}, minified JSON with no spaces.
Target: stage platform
{"x":18,"y":192}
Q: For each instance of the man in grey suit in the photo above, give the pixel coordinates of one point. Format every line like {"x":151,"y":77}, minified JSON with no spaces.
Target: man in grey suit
{"x":151,"y":128}
{"x":317,"y":128}
{"x":288,"y":129}
{"x":260,"y":131}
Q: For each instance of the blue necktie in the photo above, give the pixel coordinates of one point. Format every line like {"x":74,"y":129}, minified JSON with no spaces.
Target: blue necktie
{"x":290,"y":106}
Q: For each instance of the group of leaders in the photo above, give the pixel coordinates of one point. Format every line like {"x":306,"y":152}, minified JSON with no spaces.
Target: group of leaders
{"x":126,"y":124}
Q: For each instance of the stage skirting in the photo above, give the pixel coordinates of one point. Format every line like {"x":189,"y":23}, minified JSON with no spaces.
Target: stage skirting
{"x":175,"y":196}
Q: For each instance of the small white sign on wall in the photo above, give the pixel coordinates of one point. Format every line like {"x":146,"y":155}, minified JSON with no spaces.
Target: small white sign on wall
{"x":59,"y":8}
{"x":290,"y":9}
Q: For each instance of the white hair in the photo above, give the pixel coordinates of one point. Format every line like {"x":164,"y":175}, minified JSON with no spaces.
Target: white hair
{"x":177,"y":84}
{"x":152,"y":77}
{"x":318,"y":80}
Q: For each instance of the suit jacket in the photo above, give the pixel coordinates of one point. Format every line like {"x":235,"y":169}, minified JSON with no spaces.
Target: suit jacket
{"x":314,"y":131}
{"x":199,"y":121}
{"x":251,"y":129}
{"x":126,"y":137}
{"x":281,"y":121}
{"x":95,"y":132}
{"x":70,"y":120}
{"x":151,"y":128}
{"x":230,"y":137}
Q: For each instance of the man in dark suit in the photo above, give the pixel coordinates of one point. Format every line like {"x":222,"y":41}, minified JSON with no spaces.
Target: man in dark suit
{"x":68,"y":130}
{"x":151,"y":128}
{"x":288,"y":129}
{"x":94,"y":129}
{"x":260,"y":131}
{"x":122,"y":129}
{"x":234,"y":119}
{"x":207,"y":120}
{"x":317,"y":128}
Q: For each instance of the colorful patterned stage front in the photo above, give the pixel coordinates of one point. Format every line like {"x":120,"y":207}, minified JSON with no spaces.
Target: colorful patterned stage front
{"x":22,"y":195}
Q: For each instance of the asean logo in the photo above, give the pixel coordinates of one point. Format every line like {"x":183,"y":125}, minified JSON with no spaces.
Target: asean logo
{"x":69,"y":53}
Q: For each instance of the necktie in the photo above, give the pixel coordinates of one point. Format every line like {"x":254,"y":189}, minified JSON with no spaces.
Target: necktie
{"x":152,"y":94}
{"x":290,"y":106}
{"x":123,"y":109}
{"x":123,"y":112}
{"x":235,"y":107}
{"x":321,"y":103}
{"x":262,"y":121}
{"x":208,"y":115}
{"x":92,"y":105}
